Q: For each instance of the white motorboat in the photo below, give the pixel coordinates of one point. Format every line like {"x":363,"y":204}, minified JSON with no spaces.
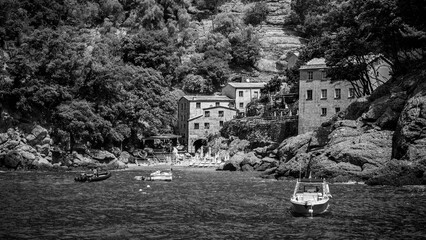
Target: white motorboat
{"x":157,"y":176}
{"x":310,"y":197}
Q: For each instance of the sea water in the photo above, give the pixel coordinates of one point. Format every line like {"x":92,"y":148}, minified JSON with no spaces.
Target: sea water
{"x":198,"y":204}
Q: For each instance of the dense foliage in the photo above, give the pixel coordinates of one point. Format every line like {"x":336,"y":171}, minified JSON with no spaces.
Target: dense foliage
{"x":103,"y":73}
{"x":353,"y":34}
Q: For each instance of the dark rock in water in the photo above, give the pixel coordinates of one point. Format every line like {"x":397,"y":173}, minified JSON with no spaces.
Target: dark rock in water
{"x":229,"y":166}
{"x":398,"y":173}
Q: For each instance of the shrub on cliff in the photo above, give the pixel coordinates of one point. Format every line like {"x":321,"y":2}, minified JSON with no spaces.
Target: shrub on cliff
{"x":256,"y":14}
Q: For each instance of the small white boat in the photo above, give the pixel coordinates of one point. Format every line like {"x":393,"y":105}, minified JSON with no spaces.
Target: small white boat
{"x":157,"y":176}
{"x":310,"y":197}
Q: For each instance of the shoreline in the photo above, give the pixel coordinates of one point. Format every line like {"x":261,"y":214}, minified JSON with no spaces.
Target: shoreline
{"x":136,"y":167}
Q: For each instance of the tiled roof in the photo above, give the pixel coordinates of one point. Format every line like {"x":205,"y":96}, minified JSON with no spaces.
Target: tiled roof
{"x":314,"y":63}
{"x":247,"y":84}
{"x":207,"y":98}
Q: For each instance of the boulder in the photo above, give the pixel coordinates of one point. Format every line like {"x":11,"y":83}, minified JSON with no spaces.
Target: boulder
{"x":247,"y":168}
{"x":234,"y":163}
{"x":373,"y":148}
{"x":3,"y":138}
{"x":28,"y":156}
{"x":37,"y":135}
{"x":399,"y":172}
{"x":115,"y":164}
{"x":124,"y":157}
{"x":266,"y":165}
{"x":42,"y":163}
{"x":79,"y":159}
{"x":102,"y":156}
{"x":43,"y":149}
{"x":249,"y":159}
{"x":294,"y":145}
{"x":13,"y":160}
{"x":228,"y":166}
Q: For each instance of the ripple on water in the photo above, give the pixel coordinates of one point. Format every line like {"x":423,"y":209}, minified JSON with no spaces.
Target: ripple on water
{"x":198,"y":205}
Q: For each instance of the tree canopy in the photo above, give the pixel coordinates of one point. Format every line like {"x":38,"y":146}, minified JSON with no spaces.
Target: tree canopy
{"x":351,"y":34}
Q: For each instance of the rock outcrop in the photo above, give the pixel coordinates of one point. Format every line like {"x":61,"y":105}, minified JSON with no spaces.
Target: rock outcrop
{"x":275,"y":40}
{"x":410,"y":137}
{"x":35,"y":150}
{"x":385,"y":145}
{"x":30,"y":151}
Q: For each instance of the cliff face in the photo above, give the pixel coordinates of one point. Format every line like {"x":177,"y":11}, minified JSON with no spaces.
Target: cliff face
{"x":275,"y":40}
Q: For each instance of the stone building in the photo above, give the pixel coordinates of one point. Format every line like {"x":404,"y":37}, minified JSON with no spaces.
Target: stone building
{"x":200,"y":116}
{"x":243,"y":93}
{"x":320,"y":98}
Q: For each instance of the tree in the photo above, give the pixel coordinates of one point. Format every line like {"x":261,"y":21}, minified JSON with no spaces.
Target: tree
{"x":353,"y":33}
{"x":151,"y":49}
{"x":226,"y":23}
{"x":245,"y":47}
{"x":196,"y":84}
{"x":79,"y":119}
{"x":256,"y":14}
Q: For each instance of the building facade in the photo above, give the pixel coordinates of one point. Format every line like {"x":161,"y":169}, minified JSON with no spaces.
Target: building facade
{"x":242,"y":93}
{"x":319,"y":97}
{"x":200,"y":116}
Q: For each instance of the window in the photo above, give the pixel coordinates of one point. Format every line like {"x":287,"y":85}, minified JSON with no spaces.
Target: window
{"x":351,"y":93}
{"x":196,"y":126}
{"x":240,"y":93}
{"x":323,"y":111}
{"x":220,"y":113}
{"x":221,"y":123}
{"x":241,"y":105}
{"x":337,"y":109}
{"x":337,"y":93}
{"x":217,"y":104}
{"x":255,"y":94}
{"x":310,"y":75}
{"x":206,"y":125}
{"x":197,"y":105}
{"x":324,"y":75}
{"x":207,"y":113}
{"x":323,"y":93}
{"x":308,"y":94}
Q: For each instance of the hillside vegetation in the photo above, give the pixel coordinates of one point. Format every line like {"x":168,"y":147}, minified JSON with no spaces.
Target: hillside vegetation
{"x":109,"y":72}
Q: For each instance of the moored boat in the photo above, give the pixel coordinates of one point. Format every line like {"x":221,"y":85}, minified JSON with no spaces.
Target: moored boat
{"x":92,"y":177}
{"x":310,"y":197}
{"x":157,"y":176}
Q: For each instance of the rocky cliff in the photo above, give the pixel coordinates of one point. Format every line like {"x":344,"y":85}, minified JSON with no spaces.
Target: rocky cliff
{"x":385,"y":144}
{"x":276,"y":41}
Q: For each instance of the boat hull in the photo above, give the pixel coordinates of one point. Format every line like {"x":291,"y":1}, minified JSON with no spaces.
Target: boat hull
{"x":157,"y":178}
{"x":303,"y":208}
{"x":85,"y":178}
